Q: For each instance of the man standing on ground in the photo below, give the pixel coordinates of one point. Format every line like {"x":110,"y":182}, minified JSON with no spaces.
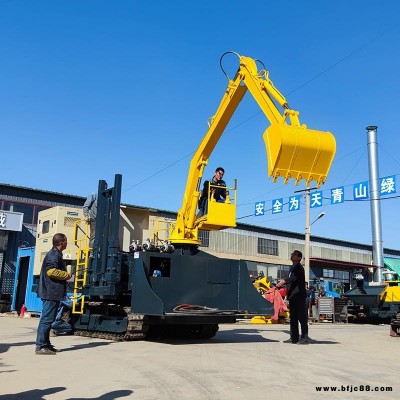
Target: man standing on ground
{"x":51,"y":289}
{"x":296,"y":294}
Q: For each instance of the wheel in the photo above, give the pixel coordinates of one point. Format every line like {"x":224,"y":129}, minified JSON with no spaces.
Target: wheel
{"x":208,"y":331}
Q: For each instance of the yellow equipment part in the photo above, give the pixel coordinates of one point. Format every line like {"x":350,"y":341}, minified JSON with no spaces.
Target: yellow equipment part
{"x":391,"y":294}
{"x":81,"y":240}
{"x":261,"y":320}
{"x":299,"y":153}
{"x":293,"y":150}
{"x":262,"y":284}
{"x":258,"y":319}
{"x":219,"y":216}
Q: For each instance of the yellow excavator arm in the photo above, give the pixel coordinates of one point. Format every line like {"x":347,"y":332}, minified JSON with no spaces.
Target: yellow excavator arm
{"x":293,"y":150}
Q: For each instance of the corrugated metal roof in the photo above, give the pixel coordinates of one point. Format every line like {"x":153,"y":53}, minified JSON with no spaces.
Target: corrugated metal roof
{"x":7,"y":185}
{"x":393,"y":264}
{"x":345,"y":265}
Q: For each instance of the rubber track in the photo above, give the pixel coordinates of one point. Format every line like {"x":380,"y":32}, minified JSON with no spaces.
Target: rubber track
{"x":136,"y":330}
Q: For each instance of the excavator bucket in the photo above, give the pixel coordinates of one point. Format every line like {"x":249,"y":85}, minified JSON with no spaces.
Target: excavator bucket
{"x":299,"y":153}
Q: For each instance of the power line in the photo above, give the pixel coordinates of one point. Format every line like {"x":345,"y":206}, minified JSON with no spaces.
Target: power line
{"x":158,"y":172}
{"x":362,"y":47}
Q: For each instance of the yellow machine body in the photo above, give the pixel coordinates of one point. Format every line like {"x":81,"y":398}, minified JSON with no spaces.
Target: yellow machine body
{"x":294,"y":151}
{"x":391,"y":294}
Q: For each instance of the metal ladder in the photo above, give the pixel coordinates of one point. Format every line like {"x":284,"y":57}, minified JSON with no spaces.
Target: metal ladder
{"x":81,"y":240}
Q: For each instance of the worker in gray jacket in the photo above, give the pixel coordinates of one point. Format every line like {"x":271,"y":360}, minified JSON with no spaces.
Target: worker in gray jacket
{"x":90,"y":213}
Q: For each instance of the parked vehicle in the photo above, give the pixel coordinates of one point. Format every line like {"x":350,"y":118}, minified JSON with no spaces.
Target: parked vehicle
{"x":326,"y":287}
{"x":375,"y":301}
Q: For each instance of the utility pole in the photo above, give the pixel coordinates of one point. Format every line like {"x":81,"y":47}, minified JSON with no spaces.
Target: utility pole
{"x":307,"y":238}
{"x":307,"y":245}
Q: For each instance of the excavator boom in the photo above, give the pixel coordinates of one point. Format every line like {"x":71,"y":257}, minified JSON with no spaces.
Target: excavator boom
{"x":293,"y":150}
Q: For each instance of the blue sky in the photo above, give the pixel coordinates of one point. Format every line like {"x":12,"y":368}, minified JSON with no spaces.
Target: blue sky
{"x":94,"y":88}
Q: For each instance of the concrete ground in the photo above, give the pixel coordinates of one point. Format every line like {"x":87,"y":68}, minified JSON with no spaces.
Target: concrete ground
{"x":242,"y":361}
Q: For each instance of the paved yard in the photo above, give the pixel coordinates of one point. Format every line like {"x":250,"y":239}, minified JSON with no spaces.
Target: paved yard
{"x":242,"y":361}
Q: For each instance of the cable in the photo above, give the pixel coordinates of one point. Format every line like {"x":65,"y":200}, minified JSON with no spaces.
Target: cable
{"x":355,"y":165}
{"x":343,"y":59}
{"x":390,"y":155}
{"x":158,"y":172}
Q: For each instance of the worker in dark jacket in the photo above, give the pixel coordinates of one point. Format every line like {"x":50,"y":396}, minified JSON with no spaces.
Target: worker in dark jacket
{"x":51,"y":289}
{"x":218,"y":193}
{"x":296,"y":294}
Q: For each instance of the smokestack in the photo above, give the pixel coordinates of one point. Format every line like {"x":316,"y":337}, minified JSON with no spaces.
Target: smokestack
{"x":376,"y":225}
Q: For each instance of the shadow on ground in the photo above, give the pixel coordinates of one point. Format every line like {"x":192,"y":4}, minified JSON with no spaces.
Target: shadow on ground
{"x":4,"y":347}
{"x":86,"y":346}
{"x":38,"y":394}
{"x":232,"y":336}
{"x":35,"y":394}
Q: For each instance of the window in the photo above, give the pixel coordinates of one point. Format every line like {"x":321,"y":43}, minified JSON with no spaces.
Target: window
{"x":283,"y":271}
{"x":30,"y":211}
{"x":267,"y":246}
{"x":46,"y":226}
{"x":6,"y":206}
{"x":341,"y":276}
{"x":204,"y":237}
{"x":327,"y":273}
{"x":26,"y":209}
{"x":37,"y":210}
